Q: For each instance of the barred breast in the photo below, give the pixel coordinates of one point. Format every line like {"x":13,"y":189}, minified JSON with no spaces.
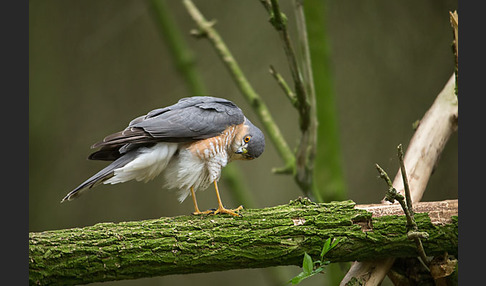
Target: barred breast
{"x":199,"y":163}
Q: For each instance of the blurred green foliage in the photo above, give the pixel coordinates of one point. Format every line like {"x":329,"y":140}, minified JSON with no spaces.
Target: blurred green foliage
{"x":95,"y":65}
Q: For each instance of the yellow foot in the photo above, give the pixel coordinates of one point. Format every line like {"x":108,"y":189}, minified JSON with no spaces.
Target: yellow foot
{"x":203,"y":213}
{"x":233,"y":212}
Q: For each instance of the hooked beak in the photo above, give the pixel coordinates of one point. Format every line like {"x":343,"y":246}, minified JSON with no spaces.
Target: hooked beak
{"x":241,"y":150}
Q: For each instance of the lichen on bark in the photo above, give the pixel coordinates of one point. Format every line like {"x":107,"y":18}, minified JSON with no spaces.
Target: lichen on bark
{"x":192,"y":244}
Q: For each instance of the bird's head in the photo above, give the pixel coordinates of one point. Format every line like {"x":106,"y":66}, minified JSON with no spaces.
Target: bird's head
{"x":252,"y":143}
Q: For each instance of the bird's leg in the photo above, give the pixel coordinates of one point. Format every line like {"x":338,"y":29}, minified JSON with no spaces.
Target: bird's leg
{"x":221,"y":208}
{"x":196,"y":208}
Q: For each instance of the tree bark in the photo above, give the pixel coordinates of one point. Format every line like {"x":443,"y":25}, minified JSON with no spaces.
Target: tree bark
{"x":260,"y":238}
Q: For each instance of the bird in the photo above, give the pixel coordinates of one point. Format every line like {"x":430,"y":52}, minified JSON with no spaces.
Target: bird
{"x":188,"y":143}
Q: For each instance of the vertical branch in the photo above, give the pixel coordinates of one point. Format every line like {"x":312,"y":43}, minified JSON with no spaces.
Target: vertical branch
{"x":305,"y":63}
{"x":307,"y":148}
{"x":304,"y":96}
{"x":279,"y":21}
{"x":206,"y":30}
{"x":281,"y":26}
{"x":405,"y":179}
{"x":454,"y":19}
{"x":285,"y":87}
{"x":328,"y":174}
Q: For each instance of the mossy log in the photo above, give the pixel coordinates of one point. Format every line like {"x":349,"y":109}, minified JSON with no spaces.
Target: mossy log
{"x":259,"y":238}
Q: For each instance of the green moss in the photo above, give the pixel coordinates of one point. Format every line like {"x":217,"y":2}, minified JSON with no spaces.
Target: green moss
{"x":260,"y":238}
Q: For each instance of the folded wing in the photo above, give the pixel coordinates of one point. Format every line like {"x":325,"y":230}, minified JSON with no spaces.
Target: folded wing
{"x":190,"y":119}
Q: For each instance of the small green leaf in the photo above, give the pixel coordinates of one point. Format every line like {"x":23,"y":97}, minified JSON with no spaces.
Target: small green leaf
{"x":307,"y":265}
{"x":318,"y":270}
{"x":326,"y":247}
{"x":334,"y":242}
{"x":297,"y":279}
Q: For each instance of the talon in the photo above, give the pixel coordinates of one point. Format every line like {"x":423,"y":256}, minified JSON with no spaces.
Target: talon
{"x":232,"y":212}
{"x":223,"y":210}
{"x":203,"y":213}
{"x":220,"y":209}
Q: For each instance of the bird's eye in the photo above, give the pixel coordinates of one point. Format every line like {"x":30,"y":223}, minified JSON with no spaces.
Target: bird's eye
{"x":247,"y":139}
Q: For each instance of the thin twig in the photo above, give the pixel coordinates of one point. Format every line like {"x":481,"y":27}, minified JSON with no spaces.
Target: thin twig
{"x":415,"y":237}
{"x":421,"y":251}
{"x":308,"y":145}
{"x":392,"y":194}
{"x":207,"y":30}
{"x":285,"y":87}
{"x":384,"y":176}
{"x":405,"y":179}
{"x":305,"y":57}
{"x":304,"y":99}
{"x":412,"y":229}
{"x":278,"y":20}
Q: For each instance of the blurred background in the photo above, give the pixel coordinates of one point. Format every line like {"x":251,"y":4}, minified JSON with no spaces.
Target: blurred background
{"x":95,"y":65}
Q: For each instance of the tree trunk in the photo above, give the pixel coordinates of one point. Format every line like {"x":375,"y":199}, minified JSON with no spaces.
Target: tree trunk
{"x":259,"y":238}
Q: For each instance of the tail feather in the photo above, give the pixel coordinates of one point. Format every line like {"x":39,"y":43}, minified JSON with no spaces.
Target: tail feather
{"x":101,"y":176}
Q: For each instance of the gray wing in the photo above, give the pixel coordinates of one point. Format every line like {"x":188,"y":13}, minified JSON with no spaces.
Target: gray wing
{"x":190,"y":119}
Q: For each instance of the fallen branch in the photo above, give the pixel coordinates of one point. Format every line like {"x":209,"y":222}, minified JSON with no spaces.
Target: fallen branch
{"x":421,"y":157}
{"x":260,"y":238}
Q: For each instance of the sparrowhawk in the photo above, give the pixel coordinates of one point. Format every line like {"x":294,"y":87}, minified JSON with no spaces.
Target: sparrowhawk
{"x":188,"y":142}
